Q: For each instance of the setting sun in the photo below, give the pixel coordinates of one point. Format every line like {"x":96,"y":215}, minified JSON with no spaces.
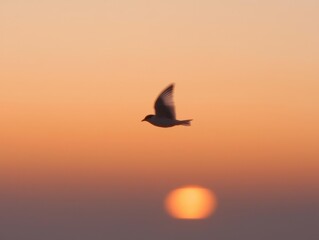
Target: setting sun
{"x":190,"y":202}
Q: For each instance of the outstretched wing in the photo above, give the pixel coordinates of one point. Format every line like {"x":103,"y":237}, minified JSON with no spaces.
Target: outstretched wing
{"x":164,"y":105}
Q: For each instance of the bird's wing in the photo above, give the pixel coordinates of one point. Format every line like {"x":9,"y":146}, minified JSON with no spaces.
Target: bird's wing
{"x":164,"y":105}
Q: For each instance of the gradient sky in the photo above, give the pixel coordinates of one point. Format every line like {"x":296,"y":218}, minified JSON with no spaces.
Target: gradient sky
{"x":77,"y":77}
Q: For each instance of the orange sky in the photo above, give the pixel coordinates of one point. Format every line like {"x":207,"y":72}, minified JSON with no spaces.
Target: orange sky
{"x":76,"y":79}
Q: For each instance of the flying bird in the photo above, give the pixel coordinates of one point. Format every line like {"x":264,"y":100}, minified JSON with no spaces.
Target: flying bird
{"x":165,"y":111}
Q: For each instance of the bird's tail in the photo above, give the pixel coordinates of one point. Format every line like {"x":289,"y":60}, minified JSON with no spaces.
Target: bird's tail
{"x":185,"y":122}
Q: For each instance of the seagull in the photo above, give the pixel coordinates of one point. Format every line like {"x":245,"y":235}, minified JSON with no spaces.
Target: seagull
{"x":165,"y":111}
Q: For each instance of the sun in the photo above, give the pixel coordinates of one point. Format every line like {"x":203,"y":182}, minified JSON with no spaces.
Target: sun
{"x":190,"y":202}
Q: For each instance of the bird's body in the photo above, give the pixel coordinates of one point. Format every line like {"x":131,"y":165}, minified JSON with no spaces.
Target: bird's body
{"x":165,"y":111}
{"x":166,"y":122}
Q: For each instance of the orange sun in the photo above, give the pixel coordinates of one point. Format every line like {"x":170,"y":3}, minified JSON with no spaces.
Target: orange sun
{"x":190,"y":202}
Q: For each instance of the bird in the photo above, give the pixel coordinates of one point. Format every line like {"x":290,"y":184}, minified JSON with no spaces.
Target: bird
{"x":165,"y":111}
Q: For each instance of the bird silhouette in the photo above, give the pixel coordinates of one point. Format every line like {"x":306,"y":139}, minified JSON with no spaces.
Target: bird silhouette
{"x":165,"y":111}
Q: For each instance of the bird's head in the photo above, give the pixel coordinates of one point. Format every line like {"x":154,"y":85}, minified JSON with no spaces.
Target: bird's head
{"x":148,"y":117}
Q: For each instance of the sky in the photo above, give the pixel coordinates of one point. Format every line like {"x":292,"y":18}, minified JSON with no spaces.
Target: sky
{"x":77,"y":78}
